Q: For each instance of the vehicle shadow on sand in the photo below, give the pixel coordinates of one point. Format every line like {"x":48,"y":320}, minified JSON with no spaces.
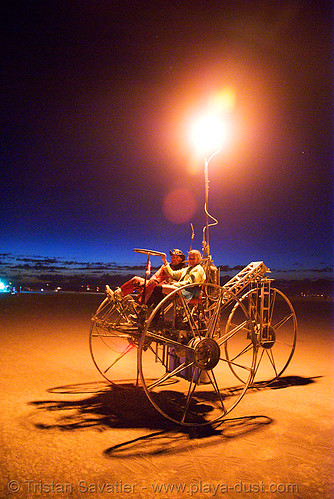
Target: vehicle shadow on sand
{"x":112,"y":406}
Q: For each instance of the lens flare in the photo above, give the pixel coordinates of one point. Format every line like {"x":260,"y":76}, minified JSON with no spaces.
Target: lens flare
{"x":179,"y":206}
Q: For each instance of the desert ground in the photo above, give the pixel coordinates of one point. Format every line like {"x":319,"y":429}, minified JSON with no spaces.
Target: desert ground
{"x":65,"y":432}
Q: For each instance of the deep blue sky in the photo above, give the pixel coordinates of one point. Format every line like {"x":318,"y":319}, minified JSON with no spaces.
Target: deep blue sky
{"x":97,"y":98}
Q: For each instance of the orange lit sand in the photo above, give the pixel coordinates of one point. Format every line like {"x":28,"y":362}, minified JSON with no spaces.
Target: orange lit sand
{"x":62,"y":426}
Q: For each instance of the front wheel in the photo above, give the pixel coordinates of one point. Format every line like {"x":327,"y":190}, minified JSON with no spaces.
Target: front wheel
{"x":181,"y":359}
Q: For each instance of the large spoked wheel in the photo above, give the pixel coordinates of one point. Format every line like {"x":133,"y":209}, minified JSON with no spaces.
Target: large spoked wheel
{"x":272,"y":332}
{"x":113,"y":341}
{"x":181,"y":359}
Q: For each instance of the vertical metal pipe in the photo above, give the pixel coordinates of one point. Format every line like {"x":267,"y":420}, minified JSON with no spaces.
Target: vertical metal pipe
{"x":206,"y":248}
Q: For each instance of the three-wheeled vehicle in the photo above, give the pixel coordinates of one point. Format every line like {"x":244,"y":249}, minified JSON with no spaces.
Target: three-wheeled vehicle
{"x":196,"y":359}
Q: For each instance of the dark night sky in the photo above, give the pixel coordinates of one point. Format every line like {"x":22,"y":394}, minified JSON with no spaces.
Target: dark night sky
{"x":97,"y":99}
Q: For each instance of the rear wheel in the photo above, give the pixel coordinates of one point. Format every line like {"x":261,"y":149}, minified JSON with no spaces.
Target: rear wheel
{"x":272,"y":332}
{"x":113,"y":341}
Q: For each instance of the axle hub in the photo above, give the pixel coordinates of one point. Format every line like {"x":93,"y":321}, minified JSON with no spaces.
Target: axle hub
{"x":267,"y":337}
{"x":206,"y":354}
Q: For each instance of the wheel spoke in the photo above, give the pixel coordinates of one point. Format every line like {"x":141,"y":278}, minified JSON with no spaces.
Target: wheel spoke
{"x":282,"y":321}
{"x":234,"y":364}
{"x":169,"y":375}
{"x":191,"y":390}
{"x":257,"y":363}
{"x":246,"y":349}
{"x":162,"y":340}
{"x":214,"y":318}
{"x":272,"y":360}
{"x":233,"y":332}
{"x":285,"y":344}
{"x":272,"y":305}
{"x":168,"y":307}
{"x":190,"y":319}
{"x":155,"y":353}
{"x":127,"y":349}
{"x":105,"y":334}
{"x":214,"y":383}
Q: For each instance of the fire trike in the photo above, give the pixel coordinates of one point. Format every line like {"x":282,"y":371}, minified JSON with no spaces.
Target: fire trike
{"x":196,"y":359}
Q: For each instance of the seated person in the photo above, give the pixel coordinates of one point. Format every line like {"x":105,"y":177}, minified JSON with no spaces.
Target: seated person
{"x":137,"y":283}
{"x":193,"y":274}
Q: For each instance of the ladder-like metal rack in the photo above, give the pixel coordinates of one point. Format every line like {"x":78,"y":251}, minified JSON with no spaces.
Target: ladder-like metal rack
{"x":253,"y":272}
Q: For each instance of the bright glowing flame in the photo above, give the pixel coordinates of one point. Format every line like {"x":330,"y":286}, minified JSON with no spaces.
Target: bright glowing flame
{"x":210,"y":133}
{"x":213,"y":130}
{"x":2,"y":286}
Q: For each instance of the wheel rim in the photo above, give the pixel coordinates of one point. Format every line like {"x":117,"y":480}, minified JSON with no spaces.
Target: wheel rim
{"x":184,"y":349}
{"x":113,"y":343}
{"x":274,"y":343}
